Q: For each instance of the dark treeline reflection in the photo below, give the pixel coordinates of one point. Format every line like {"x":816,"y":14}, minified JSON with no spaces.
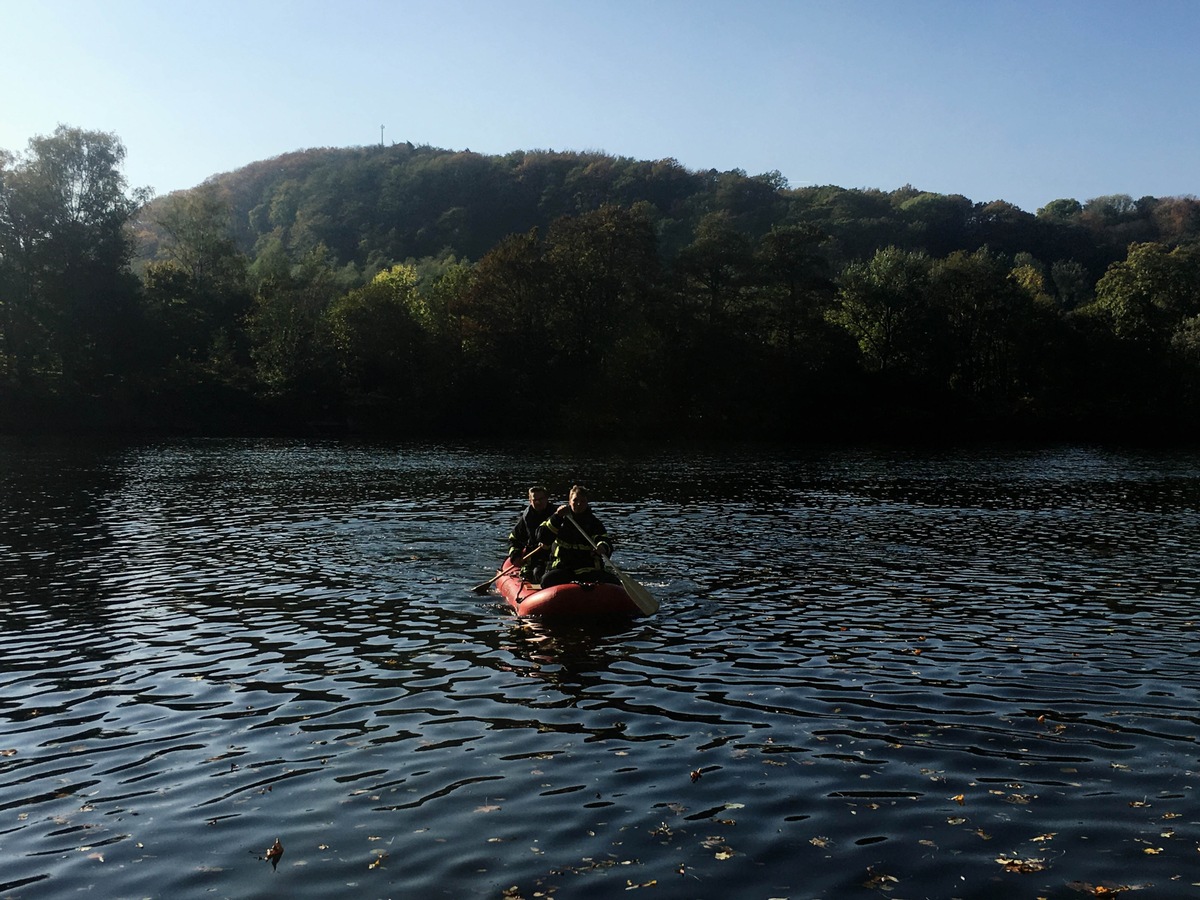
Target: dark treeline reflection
{"x":415,"y":290}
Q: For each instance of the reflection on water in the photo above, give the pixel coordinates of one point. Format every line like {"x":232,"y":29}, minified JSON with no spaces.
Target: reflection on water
{"x":940,"y":673}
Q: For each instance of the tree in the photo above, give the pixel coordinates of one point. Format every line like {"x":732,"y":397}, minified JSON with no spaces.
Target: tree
{"x":795,"y":279}
{"x":1149,"y":294}
{"x":882,"y":304}
{"x":988,"y":308}
{"x":292,"y":346}
{"x":602,"y":264}
{"x":376,"y":337}
{"x":715,"y":272}
{"x":197,"y":292}
{"x":70,"y":312}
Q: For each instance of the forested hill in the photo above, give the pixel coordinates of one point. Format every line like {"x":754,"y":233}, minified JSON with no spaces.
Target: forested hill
{"x":372,"y":206}
{"x":414,"y":290}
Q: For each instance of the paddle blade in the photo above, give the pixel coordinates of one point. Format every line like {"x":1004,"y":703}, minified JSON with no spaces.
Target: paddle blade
{"x":643,"y":598}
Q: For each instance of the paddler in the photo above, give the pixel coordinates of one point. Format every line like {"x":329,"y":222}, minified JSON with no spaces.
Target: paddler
{"x":523,"y":539}
{"x":573,"y":558}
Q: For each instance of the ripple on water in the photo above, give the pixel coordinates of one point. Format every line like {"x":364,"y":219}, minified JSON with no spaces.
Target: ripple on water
{"x":868,"y":665}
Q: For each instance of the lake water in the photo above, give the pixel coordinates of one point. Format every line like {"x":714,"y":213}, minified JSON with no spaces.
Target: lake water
{"x":960,"y":673}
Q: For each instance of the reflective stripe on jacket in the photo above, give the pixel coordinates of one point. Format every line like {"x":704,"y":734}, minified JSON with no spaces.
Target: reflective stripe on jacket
{"x":571,"y":549}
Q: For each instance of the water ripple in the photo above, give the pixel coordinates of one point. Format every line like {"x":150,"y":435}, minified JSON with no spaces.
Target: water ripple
{"x":868,"y":662}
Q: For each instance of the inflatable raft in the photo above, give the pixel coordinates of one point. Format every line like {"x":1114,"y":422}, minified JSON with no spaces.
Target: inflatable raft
{"x":563,"y":600}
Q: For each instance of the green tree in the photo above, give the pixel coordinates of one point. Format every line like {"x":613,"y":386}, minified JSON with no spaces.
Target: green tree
{"x":602,"y":264}
{"x":716,"y":272}
{"x":1149,"y":293}
{"x":377,"y":339}
{"x":795,"y":280}
{"x":988,"y":311}
{"x":882,"y":304}
{"x":292,"y":345}
{"x":70,"y":312}
{"x":197,"y":292}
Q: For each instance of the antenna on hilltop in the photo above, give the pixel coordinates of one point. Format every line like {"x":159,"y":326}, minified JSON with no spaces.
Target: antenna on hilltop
{"x":380,"y":135}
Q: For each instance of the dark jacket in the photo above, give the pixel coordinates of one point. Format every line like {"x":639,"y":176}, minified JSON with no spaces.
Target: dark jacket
{"x":524,"y":534}
{"x":571,"y":550}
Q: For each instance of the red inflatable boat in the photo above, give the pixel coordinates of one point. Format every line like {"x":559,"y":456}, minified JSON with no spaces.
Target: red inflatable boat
{"x":563,"y":600}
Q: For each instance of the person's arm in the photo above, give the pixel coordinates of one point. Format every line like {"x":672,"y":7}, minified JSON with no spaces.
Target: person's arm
{"x":517,"y":539}
{"x":550,"y":528}
{"x":602,"y":539}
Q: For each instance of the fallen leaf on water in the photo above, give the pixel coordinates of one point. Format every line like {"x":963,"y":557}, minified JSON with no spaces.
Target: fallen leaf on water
{"x":1152,"y":851}
{"x":99,"y":857}
{"x":1021,"y":799}
{"x":487,"y":808}
{"x":378,"y":860}
{"x":1139,"y":804}
{"x":955,"y":820}
{"x":1104,"y":890}
{"x":8,"y":752}
{"x":1021,"y":865}
{"x":275,"y":853}
{"x":959,"y":799}
{"x":983,"y":834}
{"x":1048,"y":836}
{"x":879,"y":882}
{"x":696,"y":775}
{"x":821,"y":842}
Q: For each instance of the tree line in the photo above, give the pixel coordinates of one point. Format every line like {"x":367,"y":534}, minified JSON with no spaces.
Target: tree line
{"x":411,"y":290}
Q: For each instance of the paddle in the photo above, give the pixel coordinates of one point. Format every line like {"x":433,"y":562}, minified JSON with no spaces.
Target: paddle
{"x":482,"y":588}
{"x":642,"y":597}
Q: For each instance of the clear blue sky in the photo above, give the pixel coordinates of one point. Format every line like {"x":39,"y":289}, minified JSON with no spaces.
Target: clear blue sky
{"x":1020,"y":100}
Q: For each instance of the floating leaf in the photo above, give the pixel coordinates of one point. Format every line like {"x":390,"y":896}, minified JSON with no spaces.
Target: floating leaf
{"x":1104,"y":890}
{"x":696,"y":775}
{"x":880,"y":882}
{"x":821,"y":842}
{"x":486,"y":808}
{"x":1048,"y":836}
{"x":378,"y":860}
{"x":1139,"y":804}
{"x":8,"y":752}
{"x":1152,"y":851}
{"x":1021,"y":865}
{"x":275,"y":853}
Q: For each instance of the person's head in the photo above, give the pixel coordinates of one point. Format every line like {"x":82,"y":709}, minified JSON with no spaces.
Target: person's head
{"x":539,"y":497}
{"x":579,"y":498}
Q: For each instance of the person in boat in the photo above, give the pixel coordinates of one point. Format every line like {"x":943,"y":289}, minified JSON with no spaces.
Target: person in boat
{"x":573,"y":558}
{"x":523,"y":539}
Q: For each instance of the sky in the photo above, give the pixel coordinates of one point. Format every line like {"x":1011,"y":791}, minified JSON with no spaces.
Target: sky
{"x":1020,"y":100}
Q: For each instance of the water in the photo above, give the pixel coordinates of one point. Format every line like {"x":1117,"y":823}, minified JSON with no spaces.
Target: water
{"x":921,"y":674}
